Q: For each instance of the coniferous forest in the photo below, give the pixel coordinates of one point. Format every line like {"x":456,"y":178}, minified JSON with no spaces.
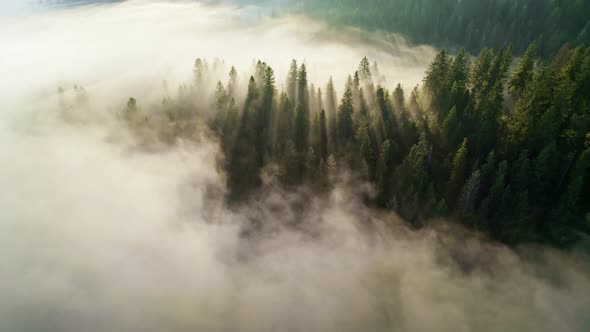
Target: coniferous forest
{"x":469,"y":24}
{"x":295,"y":165}
{"x":499,"y":144}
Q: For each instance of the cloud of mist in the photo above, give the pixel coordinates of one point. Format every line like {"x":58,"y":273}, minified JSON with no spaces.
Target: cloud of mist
{"x":98,"y":235}
{"x":136,"y":44}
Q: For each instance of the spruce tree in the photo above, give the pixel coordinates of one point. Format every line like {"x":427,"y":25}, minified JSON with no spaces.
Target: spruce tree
{"x":323,"y":136}
{"x":345,"y":124}
{"x":458,"y":173}
{"x":523,"y":73}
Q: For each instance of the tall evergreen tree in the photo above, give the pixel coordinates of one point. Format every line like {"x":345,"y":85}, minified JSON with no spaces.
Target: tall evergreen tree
{"x":232,"y":85}
{"x":364,"y":71}
{"x":523,"y":73}
{"x":200,"y":72}
{"x":323,"y":136}
{"x":301,"y":129}
{"x":436,"y":81}
{"x":469,"y":194}
{"x":458,"y":173}
{"x":302,"y":90}
{"x":331,"y":101}
{"x":345,"y":124}
{"x":292,"y":81}
{"x":244,"y":165}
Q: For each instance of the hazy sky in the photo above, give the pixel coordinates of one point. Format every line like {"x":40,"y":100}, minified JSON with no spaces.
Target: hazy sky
{"x":139,"y":42}
{"x":12,"y":7}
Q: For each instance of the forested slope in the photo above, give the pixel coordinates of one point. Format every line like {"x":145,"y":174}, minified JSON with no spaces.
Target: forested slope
{"x":469,"y":24}
{"x":503,"y":150}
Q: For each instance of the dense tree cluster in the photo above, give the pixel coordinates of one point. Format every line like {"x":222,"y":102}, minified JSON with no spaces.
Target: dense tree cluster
{"x":471,"y":24}
{"x":504,"y":149}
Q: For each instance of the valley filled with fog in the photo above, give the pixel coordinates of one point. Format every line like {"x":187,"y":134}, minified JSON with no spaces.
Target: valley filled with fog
{"x":114,"y":217}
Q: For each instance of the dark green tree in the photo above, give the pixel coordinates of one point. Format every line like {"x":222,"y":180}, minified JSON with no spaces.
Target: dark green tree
{"x":345,"y":124}
{"x":323,"y":136}
{"x":458,"y":173}
{"x":523,"y":73}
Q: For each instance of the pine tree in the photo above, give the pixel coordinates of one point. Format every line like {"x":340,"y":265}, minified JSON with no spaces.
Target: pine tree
{"x":323,"y":136}
{"x":345,"y":124}
{"x":413,"y":180}
{"x":570,"y":210}
{"x":302,"y":91}
{"x":377,"y":73}
{"x":480,"y":73}
{"x":523,"y":172}
{"x":436,"y":82}
{"x":450,"y":127}
{"x":312,"y":101}
{"x":200,"y":71}
{"x":292,"y":81}
{"x":458,"y":173}
{"x":285,"y":124}
{"x":301,"y":129}
{"x":221,"y":103}
{"x":230,"y":126}
{"x":546,"y":167}
{"x":319,"y":102}
{"x":458,"y":71}
{"x":311,"y":164}
{"x":232,"y":84}
{"x":399,"y":102}
{"x":290,"y":171}
{"x":356,"y":83}
{"x":523,"y":73}
{"x":495,"y":193}
{"x":414,"y":104}
{"x":331,"y":115}
{"x":370,"y":154}
{"x":364,"y":71}
{"x":363,"y":107}
{"x":244,"y":165}
{"x":469,"y":194}
{"x":266,"y":112}
{"x":388,"y":125}
{"x":221,"y":97}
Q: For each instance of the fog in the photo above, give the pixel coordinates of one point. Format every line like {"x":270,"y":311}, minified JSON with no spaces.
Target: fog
{"x":99,"y":235}
{"x":135,"y":45}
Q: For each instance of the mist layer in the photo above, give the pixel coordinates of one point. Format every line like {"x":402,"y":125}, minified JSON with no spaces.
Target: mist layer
{"x":100,"y":235}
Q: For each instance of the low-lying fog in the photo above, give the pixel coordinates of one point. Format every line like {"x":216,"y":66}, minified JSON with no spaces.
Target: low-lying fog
{"x":99,"y":236}
{"x":131,"y":47}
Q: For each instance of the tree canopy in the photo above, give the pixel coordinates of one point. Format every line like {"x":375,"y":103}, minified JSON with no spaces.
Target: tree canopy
{"x":469,"y":24}
{"x":502,"y":149}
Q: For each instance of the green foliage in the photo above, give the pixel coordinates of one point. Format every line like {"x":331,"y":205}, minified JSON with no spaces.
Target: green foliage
{"x":292,"y":81}
{"x":458,"y":173}
{"x":323,"y":136}
{"x":345,"y":123}
{"x":331,"y":102}
{"x":523,"y":73}
{"x":470,"y":24}
{"x":301,"y":129}
{"x":517,"y":167}
{"x":302,"y":91}
{"x":469,"y":194}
